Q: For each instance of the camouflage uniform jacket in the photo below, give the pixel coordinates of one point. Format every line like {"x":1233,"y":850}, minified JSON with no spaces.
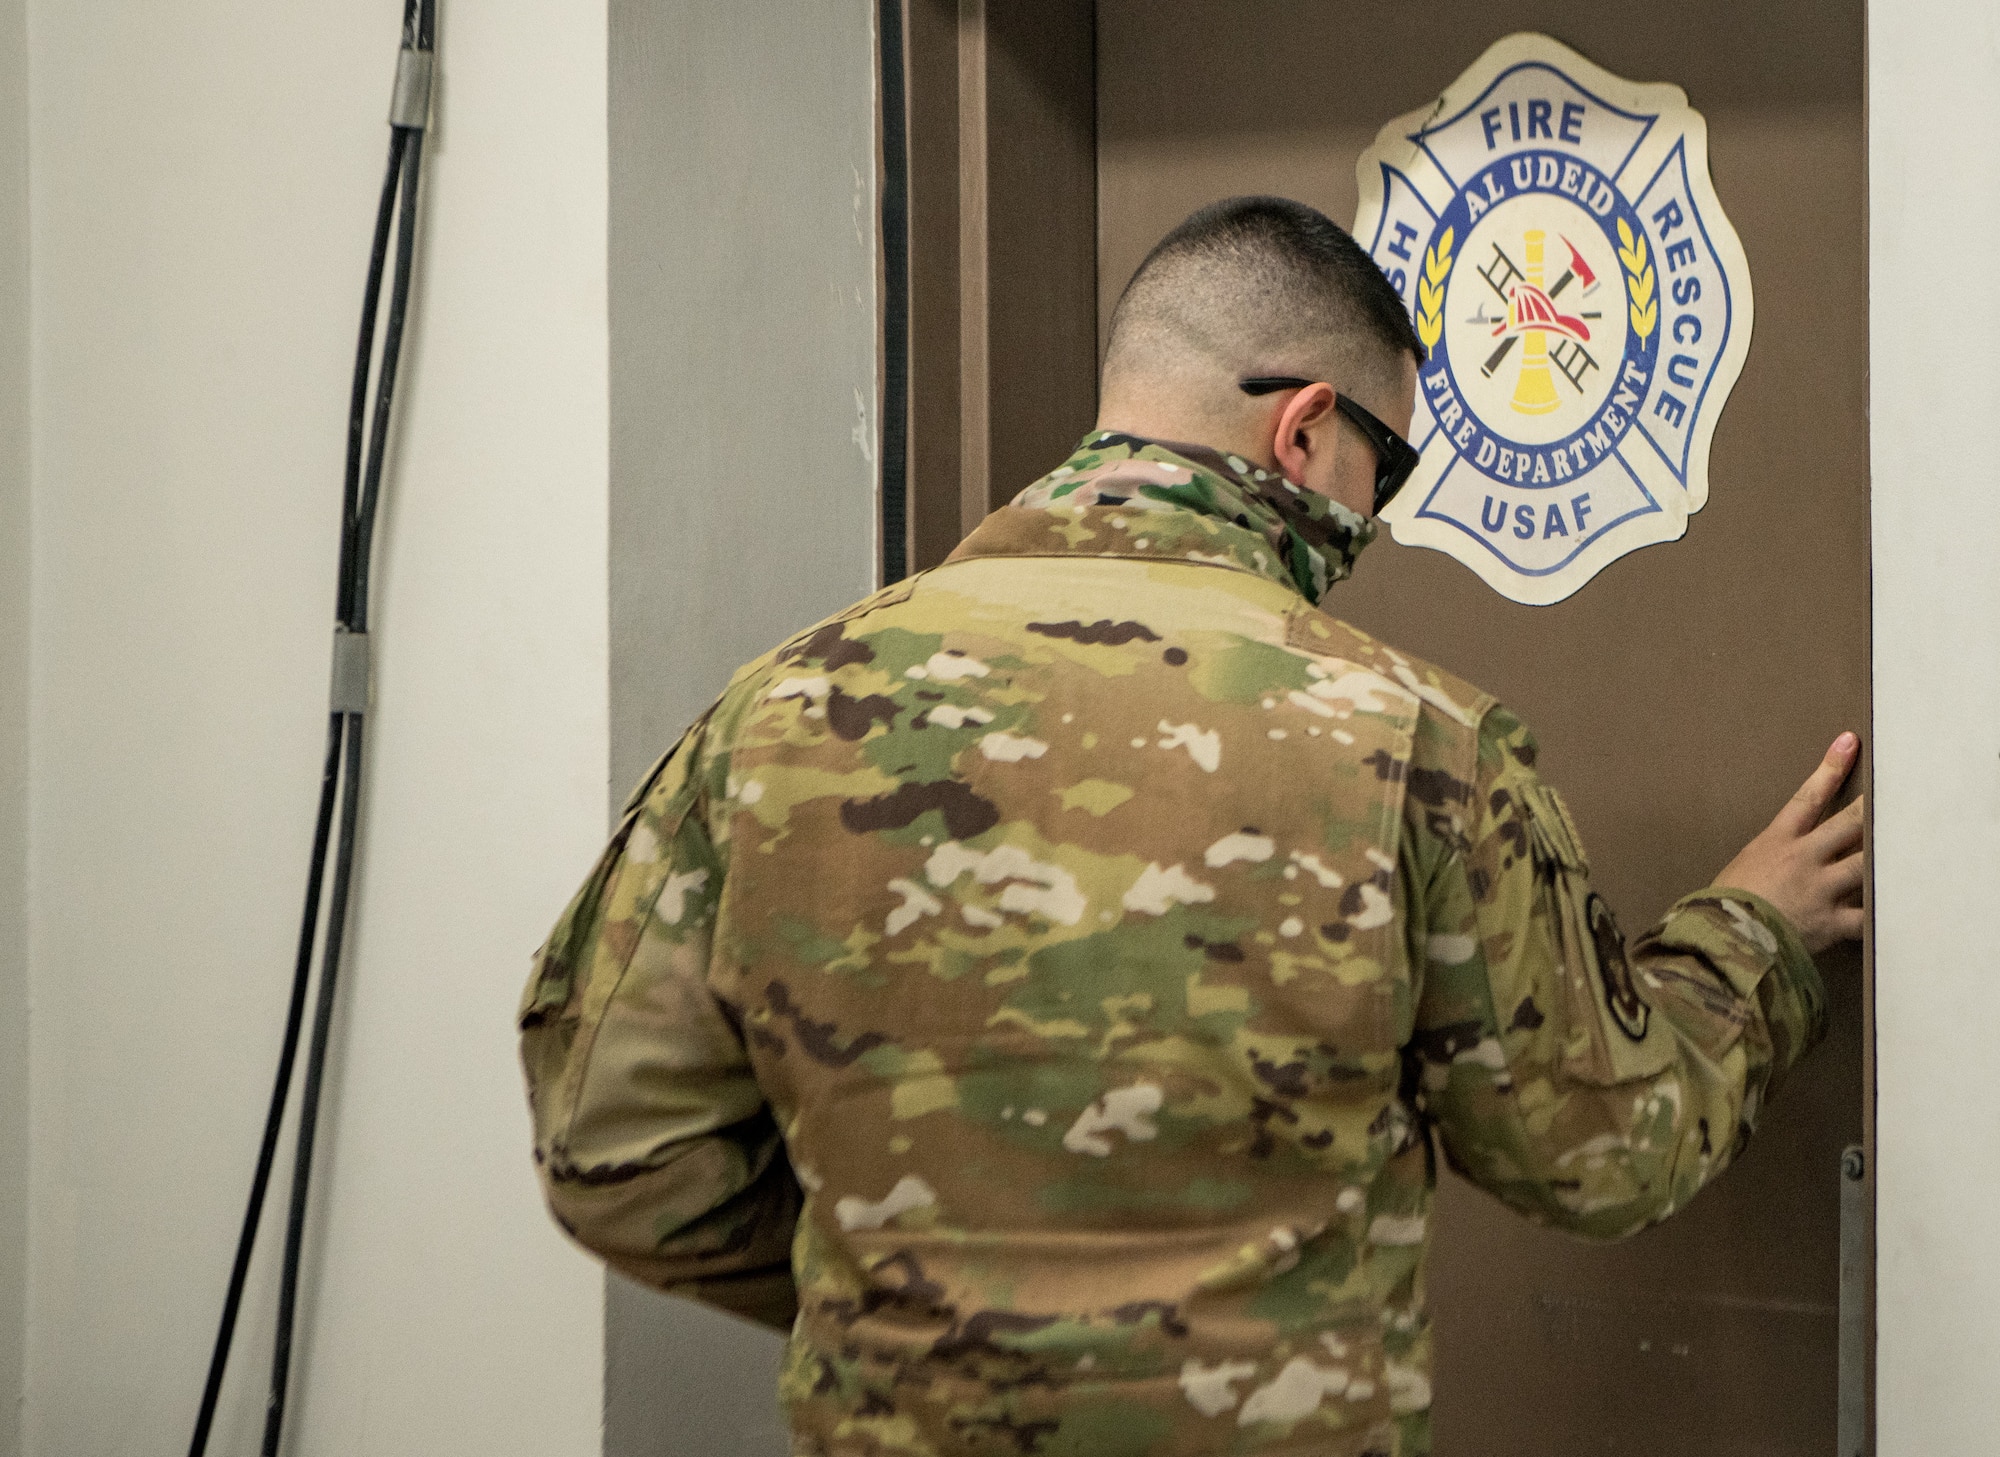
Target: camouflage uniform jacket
{"x":1054,"y":968}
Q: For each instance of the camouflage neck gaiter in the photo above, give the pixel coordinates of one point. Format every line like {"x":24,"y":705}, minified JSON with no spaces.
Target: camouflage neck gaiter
{"x":1315,"y":539}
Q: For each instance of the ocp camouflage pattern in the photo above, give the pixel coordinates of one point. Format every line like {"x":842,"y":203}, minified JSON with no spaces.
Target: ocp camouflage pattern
{"x":1045,"y":980}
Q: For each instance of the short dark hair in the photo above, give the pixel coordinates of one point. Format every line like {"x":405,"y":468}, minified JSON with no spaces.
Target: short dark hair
{"x":1251,"y":272}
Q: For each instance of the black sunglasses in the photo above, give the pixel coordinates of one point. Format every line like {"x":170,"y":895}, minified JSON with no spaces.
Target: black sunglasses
{"x":1395,"y":457}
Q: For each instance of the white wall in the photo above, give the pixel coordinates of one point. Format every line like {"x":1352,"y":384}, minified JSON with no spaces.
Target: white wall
{"x":203,"y":179}
{"x":1934,"y":317}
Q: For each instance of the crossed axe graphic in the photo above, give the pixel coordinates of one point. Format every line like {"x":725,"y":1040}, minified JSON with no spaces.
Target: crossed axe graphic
{"x":1578,"y":268}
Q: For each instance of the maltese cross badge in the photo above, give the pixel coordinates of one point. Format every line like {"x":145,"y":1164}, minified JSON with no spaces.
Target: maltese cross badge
{"x":1585,"y":305}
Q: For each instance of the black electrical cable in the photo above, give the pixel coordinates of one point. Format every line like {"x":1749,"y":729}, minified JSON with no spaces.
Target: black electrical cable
{"x":336,"y":919}
{"x":295,"y":1223}
{"x":341,"y":777}
{"x":267,"y":1151}
{"x":385,"y":389}
{"x":357,"y":406}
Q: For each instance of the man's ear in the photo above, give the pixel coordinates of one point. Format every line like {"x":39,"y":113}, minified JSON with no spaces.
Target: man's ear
{"x":1298,"y":438}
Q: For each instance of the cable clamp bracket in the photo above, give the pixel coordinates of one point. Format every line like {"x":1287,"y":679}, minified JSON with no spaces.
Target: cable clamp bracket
{"x":350,"y":672}
{"x":410,"y":103}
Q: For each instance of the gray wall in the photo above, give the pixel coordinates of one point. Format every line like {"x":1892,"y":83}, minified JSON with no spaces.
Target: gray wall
{"x":743,"y":442}
{"x":13,"y":715}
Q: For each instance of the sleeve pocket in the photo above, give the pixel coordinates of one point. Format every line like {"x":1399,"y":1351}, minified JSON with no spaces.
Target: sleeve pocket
{"x":553,"y":979}
{"x":1613,"y":1036}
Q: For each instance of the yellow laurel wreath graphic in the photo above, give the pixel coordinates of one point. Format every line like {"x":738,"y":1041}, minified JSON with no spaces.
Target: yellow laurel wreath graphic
{"x":1430,"y":291}
{"x":1638,"y":280}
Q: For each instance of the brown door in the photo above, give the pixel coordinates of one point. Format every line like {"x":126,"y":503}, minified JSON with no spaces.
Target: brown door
{"x":1679,"y":696}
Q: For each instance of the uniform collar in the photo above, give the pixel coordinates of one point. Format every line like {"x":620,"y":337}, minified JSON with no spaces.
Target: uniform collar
{"x":1122,"y":496}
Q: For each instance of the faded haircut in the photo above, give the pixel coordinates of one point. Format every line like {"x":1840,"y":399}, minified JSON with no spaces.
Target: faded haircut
{"x":1264,"y":285}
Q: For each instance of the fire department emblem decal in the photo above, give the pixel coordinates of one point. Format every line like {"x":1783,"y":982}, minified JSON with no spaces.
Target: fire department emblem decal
{"x":1585,"y":305}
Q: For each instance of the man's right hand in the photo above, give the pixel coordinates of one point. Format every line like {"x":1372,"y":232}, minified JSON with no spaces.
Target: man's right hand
{"x":1812,"y":871}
